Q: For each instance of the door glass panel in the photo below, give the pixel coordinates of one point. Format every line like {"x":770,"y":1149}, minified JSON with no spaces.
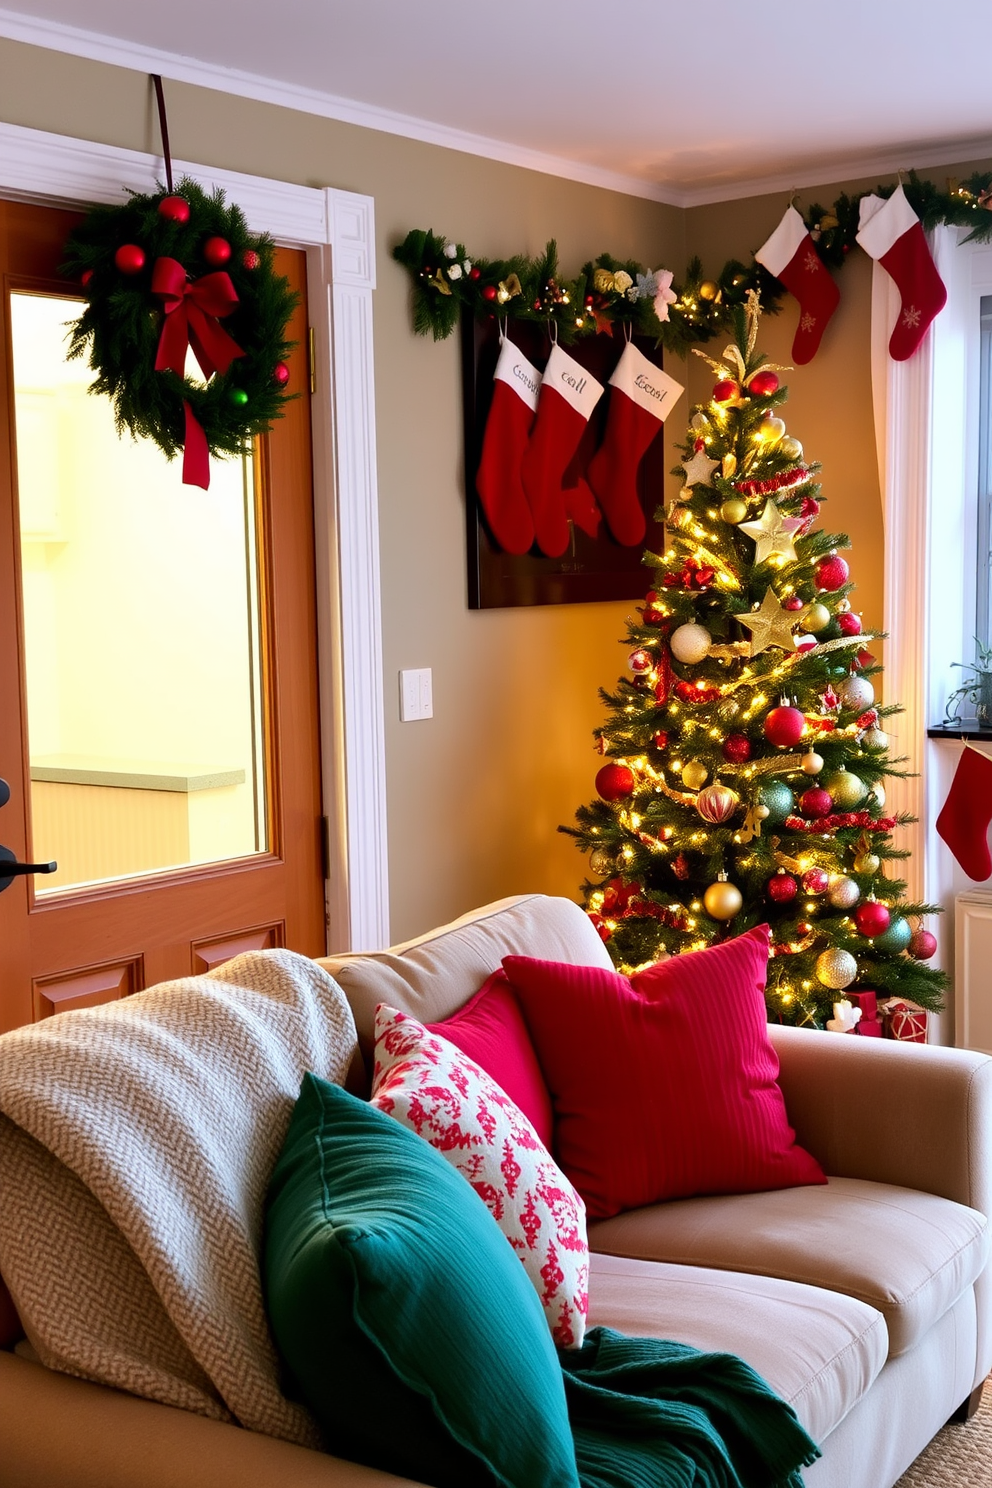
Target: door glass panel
{"x":141,"y":633}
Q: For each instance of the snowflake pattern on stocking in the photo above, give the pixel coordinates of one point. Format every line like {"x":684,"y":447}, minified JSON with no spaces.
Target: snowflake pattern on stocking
{"x":429,"y":1085}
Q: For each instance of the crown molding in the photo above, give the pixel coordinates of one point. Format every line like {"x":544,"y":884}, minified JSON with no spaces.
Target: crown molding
{"x":95,"y":47}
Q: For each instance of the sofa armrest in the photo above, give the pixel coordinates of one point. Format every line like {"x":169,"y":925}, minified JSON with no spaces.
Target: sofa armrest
{"x":915,"y":1115}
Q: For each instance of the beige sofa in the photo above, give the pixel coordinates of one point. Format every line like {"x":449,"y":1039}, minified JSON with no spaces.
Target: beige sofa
{"x":865,"y":1303}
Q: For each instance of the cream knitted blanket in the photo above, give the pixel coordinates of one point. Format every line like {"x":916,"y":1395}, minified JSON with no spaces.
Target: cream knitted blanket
{"x":136,"y":1144}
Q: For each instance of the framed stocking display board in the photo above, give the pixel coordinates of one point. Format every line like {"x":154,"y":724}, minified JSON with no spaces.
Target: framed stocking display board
{"x":591,"y":567}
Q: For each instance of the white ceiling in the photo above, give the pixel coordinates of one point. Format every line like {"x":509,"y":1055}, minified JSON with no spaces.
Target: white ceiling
{"x":678,"y":103}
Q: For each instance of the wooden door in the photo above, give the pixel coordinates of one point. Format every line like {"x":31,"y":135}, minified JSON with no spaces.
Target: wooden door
{"x":127,"y":921}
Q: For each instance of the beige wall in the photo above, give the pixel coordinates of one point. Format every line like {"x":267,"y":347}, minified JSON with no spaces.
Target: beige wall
{"x":475,"y":794}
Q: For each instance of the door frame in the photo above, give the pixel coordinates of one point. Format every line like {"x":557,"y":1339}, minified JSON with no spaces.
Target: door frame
{"x":336,"y":229}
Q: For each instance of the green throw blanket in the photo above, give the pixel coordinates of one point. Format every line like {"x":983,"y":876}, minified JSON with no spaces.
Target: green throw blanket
{"x":652,"y":1414}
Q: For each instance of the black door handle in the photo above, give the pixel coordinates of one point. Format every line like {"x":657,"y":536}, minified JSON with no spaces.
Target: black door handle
{"x":10,"y":868}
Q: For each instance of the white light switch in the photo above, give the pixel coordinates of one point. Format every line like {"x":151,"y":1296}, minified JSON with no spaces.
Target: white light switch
{"x":416,"y":695}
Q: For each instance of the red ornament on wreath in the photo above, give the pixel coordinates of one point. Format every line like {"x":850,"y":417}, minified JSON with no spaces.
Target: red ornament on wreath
{"x":922,"y":945}
{"x":784,"y":726}
{"x":816,"y":802}
{"x":872,"y":918}
{"x":174,"y":208}
{"x":763,"y":384}
{"x":129,"y":258}
{"x":489,"y":292}
{"x":831,"y":573}
{"x":614,"y":782}
{"x":85,"y":277}
{"x":217,"y":252}
{"x":736,"y":748}
{"x":782,"y":889}
{"x":251,"y":259}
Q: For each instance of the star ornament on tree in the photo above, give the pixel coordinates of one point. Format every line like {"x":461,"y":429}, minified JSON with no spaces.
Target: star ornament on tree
{"x":770,"y":625}
{"x":698,"y":470}
{"x":773,"y":534}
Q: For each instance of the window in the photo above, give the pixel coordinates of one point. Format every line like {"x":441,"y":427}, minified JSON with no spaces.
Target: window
{"x":983,"y":586}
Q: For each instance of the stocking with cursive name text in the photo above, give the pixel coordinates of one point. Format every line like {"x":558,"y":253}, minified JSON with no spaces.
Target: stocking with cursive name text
{"x":511,"y":417}
{"x":568,"y":396}
{"x":640,"y":399}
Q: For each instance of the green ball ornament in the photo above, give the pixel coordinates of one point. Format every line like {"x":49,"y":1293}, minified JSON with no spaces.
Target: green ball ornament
{"x":896,"y":938}
{"x":733,"y":510}
{"x":779,"y":800}
{"x":817,"y":618}
{"x":847,"y":789}
{"x":238,"y":397}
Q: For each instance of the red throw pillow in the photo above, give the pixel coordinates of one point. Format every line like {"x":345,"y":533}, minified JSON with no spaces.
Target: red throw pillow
{"x":491,"y":1030}
{"x":663,"y":1084}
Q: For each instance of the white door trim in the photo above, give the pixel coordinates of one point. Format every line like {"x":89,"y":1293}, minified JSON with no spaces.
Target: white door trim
{"x":336,"y":228}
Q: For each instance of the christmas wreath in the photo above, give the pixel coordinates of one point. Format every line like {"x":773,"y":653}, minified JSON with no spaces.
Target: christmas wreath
{"x":166,"y":272}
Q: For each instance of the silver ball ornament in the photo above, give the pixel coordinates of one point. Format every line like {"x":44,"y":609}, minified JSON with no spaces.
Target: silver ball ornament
{"x":812,"y":762}
{"x":691,"y":643}
{"x":836,"y":969}
{"x":877,"y":794}
{"x":875,"y":738}
{"x":856,"y":692}
{"x":842,"y":891}
{"x":601,"y":860}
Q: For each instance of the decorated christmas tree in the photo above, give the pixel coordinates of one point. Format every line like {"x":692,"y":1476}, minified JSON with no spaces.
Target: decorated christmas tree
{"x":745,"y":751}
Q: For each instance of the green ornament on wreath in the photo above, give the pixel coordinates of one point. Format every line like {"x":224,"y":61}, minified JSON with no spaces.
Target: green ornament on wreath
{"x":173,"y":271}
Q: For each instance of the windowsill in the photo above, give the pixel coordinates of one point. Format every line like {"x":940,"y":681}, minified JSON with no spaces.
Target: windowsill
{"x":968,"y":728}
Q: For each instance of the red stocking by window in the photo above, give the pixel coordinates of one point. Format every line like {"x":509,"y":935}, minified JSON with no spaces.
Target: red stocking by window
{"x":964,"y":818}
{"x":891,"y":232}
{"x":639,"y":402}
{"x":790,"y":254}
{"x":508,"y":427}
{"x":568,"y":396}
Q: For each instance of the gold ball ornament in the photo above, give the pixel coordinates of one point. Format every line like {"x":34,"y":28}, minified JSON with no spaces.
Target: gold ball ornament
{"x":708,"y":290}
{"x":812,"y":762}
{"x":875,"y":738}
{"x":601,"y":860}
{"x":717,"y":803}
{"x":791,"y":448}
{"x":817,"y":618}
{"x":847,"y":789}
{"x":722,"y":900}
{"x":877,"y":794}
{"x":842,"y":891}
{"x":867,"y":862}
{"x":771,"y":429}
{"x":836,"y":969}
{"x":733,"y":510}
{"x":694,"y":775}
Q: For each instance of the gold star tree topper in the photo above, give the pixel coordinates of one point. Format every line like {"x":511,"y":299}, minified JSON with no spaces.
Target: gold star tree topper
{"x":771,"y":625}
{"x":773,"y":534}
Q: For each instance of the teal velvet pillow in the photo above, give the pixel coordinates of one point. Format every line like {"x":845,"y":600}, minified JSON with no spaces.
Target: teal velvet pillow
{"x":407,"y":1322}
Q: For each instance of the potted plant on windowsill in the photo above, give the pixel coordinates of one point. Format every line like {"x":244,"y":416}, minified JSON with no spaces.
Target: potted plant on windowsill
{"x":977,"y":689}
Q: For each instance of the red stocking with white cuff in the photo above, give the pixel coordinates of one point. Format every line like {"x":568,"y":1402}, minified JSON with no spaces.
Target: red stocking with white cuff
{"x":568,"y":396}
{"x":964,"y":818}
{"x":504,"y":444}
{"x":640,"y":399}
{"x":891,"y":233}
{"x":790,"y":254}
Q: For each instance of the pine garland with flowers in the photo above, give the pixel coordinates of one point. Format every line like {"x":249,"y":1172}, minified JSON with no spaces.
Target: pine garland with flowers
{"x":118,"y":254}
{"x":608,"y":291}
{"x":744,"y":769}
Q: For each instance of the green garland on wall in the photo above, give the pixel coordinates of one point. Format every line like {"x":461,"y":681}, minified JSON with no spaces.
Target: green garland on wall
{"x":610,"y":291}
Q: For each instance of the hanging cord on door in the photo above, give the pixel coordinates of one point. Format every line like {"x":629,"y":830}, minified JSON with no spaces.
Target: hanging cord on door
{"x":163,"y":125}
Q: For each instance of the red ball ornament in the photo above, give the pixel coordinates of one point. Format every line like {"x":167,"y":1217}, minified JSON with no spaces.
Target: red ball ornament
{"x":782,"y":888}
{"x":489,"y":292}
{"x":872,"y":918}
{"x":831,"y":572}
{"x":661,"y":739}
{"x":763,"y":384}
{"x":736,"y":748}
{"x":792,"y":603}
{"x":784,"y":726}
{"x":280,"y":373}
{"x":864,"y":659}
{"x":614,"y":781}
{"x":922,"y":945}
{"x":85,"y":277}
{"x":217,"y":251}
{"x":175,"y":208}
{"x":250,"y":259}
{"x":129,"y":258}
{"x":815,"y":881}
{"x":599,"y":925}
{"x":850,"y":624}
{"x":474,"y":273}
{"x":640,"y":661}
{"x":724,"y":391}
{"x":816,"y":802}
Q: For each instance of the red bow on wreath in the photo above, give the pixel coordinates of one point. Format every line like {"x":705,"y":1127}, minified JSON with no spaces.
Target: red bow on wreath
{"x":193,"y":309}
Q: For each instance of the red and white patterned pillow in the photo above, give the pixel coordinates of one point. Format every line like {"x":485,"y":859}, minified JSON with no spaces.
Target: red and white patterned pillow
{"x":429,"y":1085}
